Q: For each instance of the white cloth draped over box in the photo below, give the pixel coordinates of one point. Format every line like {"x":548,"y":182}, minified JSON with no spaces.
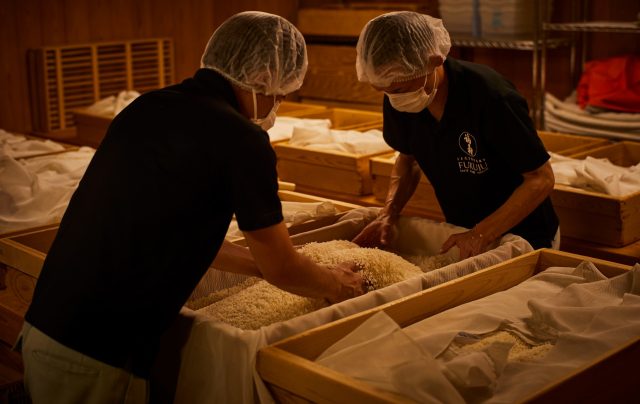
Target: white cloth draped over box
{"x":566,"y":116}
{"x":578,"y":311}
{"x":19,"y":146}
{"x":283,"y":127}
{"x":36,"y":191}
{"x":293,"y":213}
{"x":346,"y":141}
{"x":596,"y":174}
{"x":218,"y":361}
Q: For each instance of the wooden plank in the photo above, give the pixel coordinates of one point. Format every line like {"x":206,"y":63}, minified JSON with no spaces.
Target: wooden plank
{"x":15,"y":296}
{"x":346,"y":119}
{"x":628,"y":254}
{"x":568,"y":144}
{"x":328,"y":178}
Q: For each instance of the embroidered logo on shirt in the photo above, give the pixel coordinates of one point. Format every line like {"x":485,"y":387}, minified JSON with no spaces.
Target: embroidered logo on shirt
{"x":469,"y":163}
{"x":468,"y":144}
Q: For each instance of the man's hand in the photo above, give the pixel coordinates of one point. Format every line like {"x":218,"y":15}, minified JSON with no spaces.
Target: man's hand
{"x":470,"y":243}
{"x":350,"y":283}
{"x":379,"y":233}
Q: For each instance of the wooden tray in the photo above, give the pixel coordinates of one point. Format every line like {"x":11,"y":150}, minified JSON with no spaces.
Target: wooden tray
{"x":567,"y":144}
{"x":347,"y":119}
{"x":597,"y":217}
{"x":289,"y":370}
{"x":295,"y":109}
{"x":423,"y":202}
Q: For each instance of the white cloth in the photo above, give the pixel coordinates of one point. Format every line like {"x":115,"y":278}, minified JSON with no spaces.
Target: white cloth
{"x":293,"y":213}
{"x":566,"y":116}
{"x":218,"y":361}
{"x":112,"y":105}
{"x":578,"y":310}
{"x":36,"y":191}
{"x":595,"y":174}
{"x":18,"y":146}
{"x":284,"y":126}
{"x":347,"y":141}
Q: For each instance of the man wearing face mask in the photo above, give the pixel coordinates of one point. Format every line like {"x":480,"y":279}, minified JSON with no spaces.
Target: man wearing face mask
{"x":466,"y":127}
{"x":151,"y":213}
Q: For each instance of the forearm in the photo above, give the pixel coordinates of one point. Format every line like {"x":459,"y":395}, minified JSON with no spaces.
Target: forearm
{"x":536,"y":187}
{"x":404,"y":180}
{"x":235,"y":258}
{"x":281,"y":265}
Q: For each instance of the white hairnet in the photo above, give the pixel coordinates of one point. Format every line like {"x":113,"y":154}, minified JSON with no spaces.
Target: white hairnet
{"x":258,"y":51}
{"x":397,"y":47}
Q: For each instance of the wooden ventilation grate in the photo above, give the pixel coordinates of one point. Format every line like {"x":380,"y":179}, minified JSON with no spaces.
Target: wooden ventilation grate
{"x":66,"y":77}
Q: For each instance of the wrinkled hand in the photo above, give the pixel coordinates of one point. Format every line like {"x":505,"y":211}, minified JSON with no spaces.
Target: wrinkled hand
{"x":379,"y":233}
{"x":470,"y":243}
{"x":351,"y":283}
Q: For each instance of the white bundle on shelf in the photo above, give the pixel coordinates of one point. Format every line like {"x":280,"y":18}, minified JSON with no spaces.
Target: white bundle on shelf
{"x":347,"y":141}
{"x":284,"y":126}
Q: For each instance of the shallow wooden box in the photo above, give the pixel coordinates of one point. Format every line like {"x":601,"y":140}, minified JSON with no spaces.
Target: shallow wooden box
{"x":422,"y":203}
{"x":91,"y":127}
{"x":295,"y":109}
{"x":568,"y":144}
{"x":324,"y":172}
{"x":289,"y":370}
{"x":21,"y":256}
{"x":597,"y":217}
{"x":347,"y":119}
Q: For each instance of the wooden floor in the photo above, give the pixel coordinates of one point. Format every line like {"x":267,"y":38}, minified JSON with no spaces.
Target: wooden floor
{"x":11,"y":376}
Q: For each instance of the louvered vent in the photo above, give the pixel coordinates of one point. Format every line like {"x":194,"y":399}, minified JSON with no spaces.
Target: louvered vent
{"x":71,"y":76}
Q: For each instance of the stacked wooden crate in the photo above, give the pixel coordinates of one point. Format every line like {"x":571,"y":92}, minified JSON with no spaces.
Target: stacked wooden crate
{"x":597,"y":224}
{"x":333,"y":174}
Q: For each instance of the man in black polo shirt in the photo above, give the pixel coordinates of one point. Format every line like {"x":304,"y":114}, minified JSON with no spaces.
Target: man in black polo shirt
{"x":151,"y":213}
{"x":466,"y":127}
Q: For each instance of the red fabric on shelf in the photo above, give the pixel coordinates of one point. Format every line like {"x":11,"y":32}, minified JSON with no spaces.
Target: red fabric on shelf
{"x":612,"y":83}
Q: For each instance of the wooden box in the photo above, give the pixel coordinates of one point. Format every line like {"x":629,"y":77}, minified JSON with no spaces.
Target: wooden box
{"x":289,"y":370}
{"x":91,"y":127}
{"x":597,"y":217}
{"x":422,"y":203}
{"x":66,"y":77}
{"x":567,"y":144}
{"x":347,"y":119}
{"x":324,"y":172}
{"x":295,"y":109}
{"x":293,"y":196}
{"x":21,"y":256}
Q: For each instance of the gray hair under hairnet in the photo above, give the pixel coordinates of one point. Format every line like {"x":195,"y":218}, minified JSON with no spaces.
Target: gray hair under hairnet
{"x":400,"y":46}
{"x":258,"y":51}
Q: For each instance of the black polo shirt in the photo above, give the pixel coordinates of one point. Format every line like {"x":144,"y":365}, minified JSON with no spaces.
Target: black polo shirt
{"x":476,"y":155}
{"x":149,"y":216}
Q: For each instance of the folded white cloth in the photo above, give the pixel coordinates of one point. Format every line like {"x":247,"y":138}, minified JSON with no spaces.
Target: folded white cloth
{"x":18,"y":146}
{"x":283,"y":127}
{"x":36,"y":191}
{"x":347,"y":141}
{"x":599,"y":175}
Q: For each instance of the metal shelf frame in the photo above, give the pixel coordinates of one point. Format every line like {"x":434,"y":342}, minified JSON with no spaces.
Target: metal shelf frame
{"x":579,"y":26}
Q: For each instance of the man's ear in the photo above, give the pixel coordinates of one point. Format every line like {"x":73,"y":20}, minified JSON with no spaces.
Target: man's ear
{"x":434,"y":61}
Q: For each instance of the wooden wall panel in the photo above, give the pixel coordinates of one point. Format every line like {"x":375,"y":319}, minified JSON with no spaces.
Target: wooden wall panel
{"x":28,"y":24}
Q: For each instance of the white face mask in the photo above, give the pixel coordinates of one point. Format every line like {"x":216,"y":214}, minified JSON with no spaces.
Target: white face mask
{"x":414,"y":101}
{"x":268,"y":121}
